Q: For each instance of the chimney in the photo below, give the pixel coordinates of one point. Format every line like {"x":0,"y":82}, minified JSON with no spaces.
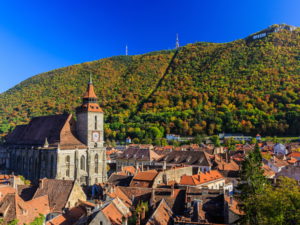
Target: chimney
{"x":132,"y":198}
{"x":143,"y":215}
{"x":147,"y":168}
{"x":121,"y":168}
{"x":231,"y":200}
{"x":165,"y":165}
{"x":41,"y":184}
{"x":223,"y":166}
{"x":142,"y":167}
{"x":199,"y":170}
{"x":124,"y":220}
{"x":113,"y":189}
{"x":138,"y":219}
{"x":136,"y":168}
{"x":172,"y":190}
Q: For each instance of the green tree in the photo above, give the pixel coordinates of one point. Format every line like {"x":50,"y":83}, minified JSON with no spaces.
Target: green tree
{"x":176,"y":143}
{"x":280,"y":205}
{"x":252,"y":181}
{"x":253,"y":141}
{"x":107,"y":143}
{"x":38,"y":220}
{"x":215,"y":140}
{"x":136,"y":141}
{"x":113,"y":143}
{"x":197,"y":139}
{"x":275,"y":140}
{"x":164,"y":142}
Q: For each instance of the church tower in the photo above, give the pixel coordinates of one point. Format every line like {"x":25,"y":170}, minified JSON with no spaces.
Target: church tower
{"x":90,"y":119}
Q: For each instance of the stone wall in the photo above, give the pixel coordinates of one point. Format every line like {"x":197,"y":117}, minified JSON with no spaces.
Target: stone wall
{"x":77,"y":193}
{"x":172,"y":174}
{"x":290,"y":171}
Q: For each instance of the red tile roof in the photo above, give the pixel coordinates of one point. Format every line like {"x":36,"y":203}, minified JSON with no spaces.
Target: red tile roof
{"x":294,"y":154}
{"x":68,"y":218}
{"x":201,"y":178}
{"x":234,"y":206}
{"x":6,"y":189}
{"x":162,"y":215}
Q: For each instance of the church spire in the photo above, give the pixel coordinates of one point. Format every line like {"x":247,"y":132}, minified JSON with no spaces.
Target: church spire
{"x":91,"y":82}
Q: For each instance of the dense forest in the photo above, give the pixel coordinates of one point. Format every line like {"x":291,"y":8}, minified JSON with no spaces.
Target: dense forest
{"x":242,"y":86}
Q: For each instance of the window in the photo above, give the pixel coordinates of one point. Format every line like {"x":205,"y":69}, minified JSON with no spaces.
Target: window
{"x":52,"y":165}
{"x":216,"y":186}
{"x":101,"y":223}
{"x":96,"y":163}
{"x":159,"y":181}
{"x":68,"y":160}
{"x":68,"y":173}
{"x":82,"y":163}
{"x":95,"y":122}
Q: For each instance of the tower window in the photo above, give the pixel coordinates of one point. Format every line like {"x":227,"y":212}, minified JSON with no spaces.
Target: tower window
{"x":95,"y":122}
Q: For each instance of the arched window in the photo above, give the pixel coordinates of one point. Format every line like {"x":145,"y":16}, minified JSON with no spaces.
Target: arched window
{"x":36,"y":167}
{"x":24,"y":163}
{"x":30,"y":164}
{"x":68,"y":173}
{"x":82,"y":163}
{"x":68,"y":160}
{"x":96,"y":163}
{"x":52,"y":166}
{"x":19,"y":163}
{"x":44,"y":162}
{"x":95,"y":122}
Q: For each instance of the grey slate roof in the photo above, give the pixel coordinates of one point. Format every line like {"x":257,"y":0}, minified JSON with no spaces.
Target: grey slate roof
{"x":194,"y":158}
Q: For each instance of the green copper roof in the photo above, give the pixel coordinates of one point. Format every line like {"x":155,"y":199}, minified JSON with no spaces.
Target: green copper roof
{"x":91,"y":82}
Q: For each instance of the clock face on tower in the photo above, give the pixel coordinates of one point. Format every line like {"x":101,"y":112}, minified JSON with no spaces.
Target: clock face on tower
{"x":95,"y":136}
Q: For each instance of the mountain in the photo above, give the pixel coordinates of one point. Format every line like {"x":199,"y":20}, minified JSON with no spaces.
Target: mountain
{"x":249,"y":85}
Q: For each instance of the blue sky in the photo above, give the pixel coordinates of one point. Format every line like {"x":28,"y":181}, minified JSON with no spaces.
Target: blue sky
{"x":38,"y":36}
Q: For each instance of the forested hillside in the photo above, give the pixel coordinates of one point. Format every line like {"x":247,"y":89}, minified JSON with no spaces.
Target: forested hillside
{"x":242,"y":86}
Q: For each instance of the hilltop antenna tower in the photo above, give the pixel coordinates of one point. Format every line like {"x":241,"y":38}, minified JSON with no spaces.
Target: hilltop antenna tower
{"x":126,"y":50}
{"x":177,"y":43}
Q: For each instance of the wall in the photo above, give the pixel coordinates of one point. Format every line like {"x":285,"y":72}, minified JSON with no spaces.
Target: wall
{"x":100,"y":217}
{"x":77,"y":193}
{"x":173,"y":174}
{"x":290,"y":171}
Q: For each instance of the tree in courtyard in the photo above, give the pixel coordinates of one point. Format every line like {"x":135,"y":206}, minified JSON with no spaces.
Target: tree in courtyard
{"x":252,"y":181}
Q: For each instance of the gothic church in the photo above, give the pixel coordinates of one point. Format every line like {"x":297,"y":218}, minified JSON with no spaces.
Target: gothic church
{"x":59,"y":147}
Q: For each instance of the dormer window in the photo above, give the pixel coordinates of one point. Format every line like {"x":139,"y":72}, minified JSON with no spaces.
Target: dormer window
{"x":176,"y":158}
{"x":166,"y":158}
{"x":200,"y":160}
{"x":134,"y":156}
{"x":189,"y":158}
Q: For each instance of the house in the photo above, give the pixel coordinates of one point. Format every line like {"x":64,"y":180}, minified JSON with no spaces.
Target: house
{"x":275,"y":164}
{"x":258,"y":137}
{"x":160,"y":177}
{"x":128,"y":140}
{"x":114,"y":212}
{"x":280,"y":149}
{"x":213,"y":179}
{"x":13,"y":207}
{"x":268,"y":173}
{"x":133,"y":156}
{"x":290,"y":171}
{"x":163,"y":214}
{"x":76,"y":215}
{"x":144,"y":179}
{"x":199,"y":160}
{"x":295,"y":155}
{"x":172,"y":137}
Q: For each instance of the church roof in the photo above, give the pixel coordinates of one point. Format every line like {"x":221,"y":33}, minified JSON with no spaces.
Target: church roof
{"x":58,"y":129}
{"x":90,"y":92}
{"x":89,"y":107}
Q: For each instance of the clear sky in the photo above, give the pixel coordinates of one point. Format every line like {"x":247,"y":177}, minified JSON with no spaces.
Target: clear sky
{"x":38,"y":35}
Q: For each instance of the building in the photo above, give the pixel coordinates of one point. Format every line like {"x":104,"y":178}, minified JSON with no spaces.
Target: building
{"x":236,"y":137}
{"x":212,"y":179}
{"x":280,"y":149}
{"x":275,"y":164}
{"x":258,"y":137}
{"x":59,"y":147}
{"x":199,"y":160}
{"x":172,"y":137}
{"x":133,"y":156}
{"x":128,"y":140}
